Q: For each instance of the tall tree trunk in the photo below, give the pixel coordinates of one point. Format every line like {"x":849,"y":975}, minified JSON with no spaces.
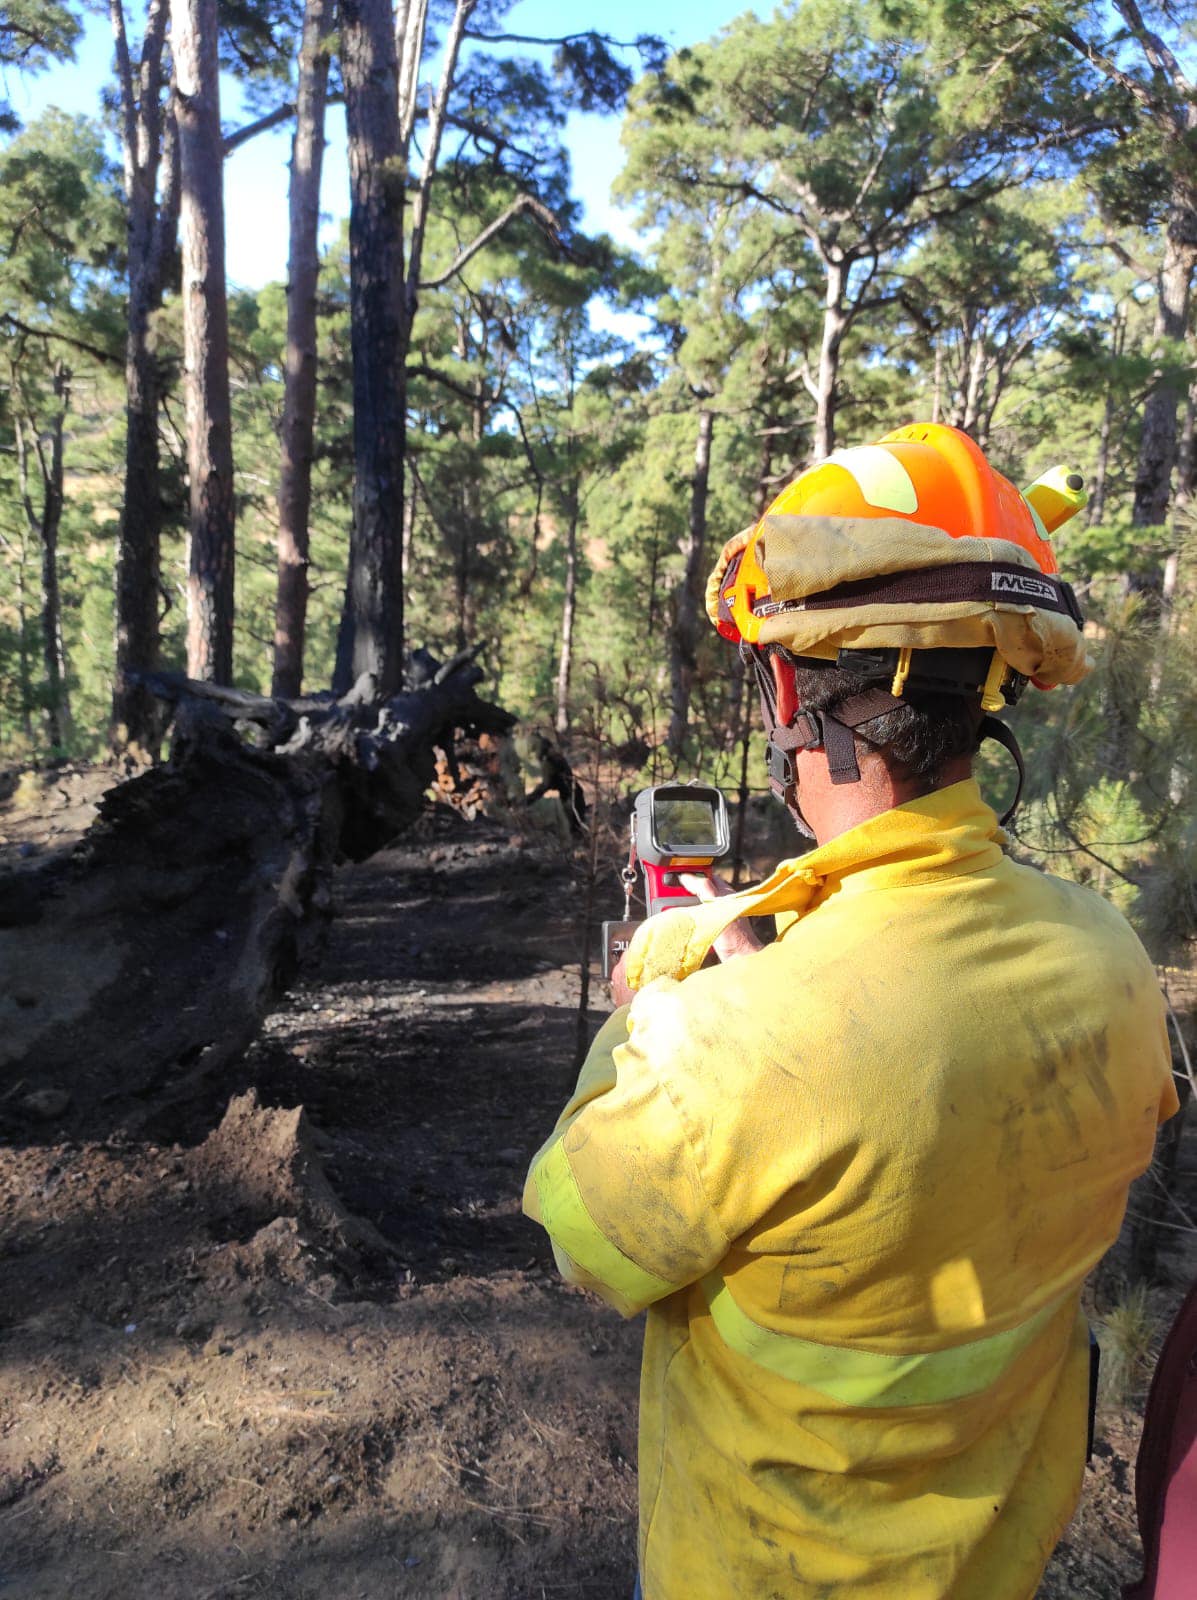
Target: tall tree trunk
{"x":1097,"y":500}
{"x":471,"y":500}
{"x":975,"y":384}
{"x":959,"y":369}
{"x":654,"y":571}
{"x":461,"y":572}
{"x":194,"y":39}
{"x":409,"y":527}
{"x":568,"y":609}
{"x":684,"y":636}
{"x":299,"y":378}
{"x":371,"y":636}
{"x":937,"y":382}
{"x":24,"y":670}
{"x":57,"y":712}
{"x":138,"y":565}
{"x":149,"y":149}
{"x":1157,"y":448}
{"x":835,"y":325}
{"x":42,"y":522}
{"x":1182,"y":517}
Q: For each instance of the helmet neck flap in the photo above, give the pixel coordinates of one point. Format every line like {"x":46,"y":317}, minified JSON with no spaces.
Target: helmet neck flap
{"x":791,"y":727}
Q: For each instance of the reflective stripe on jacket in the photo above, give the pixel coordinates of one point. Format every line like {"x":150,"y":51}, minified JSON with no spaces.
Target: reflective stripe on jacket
{"x":858,"y":1178}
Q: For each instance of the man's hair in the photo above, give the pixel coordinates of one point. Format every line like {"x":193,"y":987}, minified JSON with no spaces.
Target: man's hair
{"x":917,"y":739}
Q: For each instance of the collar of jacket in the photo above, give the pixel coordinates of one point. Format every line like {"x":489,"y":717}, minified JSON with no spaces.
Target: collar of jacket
{"x":940,"y":835}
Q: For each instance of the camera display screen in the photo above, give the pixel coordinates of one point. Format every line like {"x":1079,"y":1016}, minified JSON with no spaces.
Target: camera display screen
{"x":686,"y":827}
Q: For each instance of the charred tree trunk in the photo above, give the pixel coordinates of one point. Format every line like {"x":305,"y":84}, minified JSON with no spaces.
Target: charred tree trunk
{"x":471,"y":529}
{"x":461,"y":573}
{"x":43,"y":523}
{"x":138,"y":565}
{"x":24,"y":673}
{"x":57,"y":715}
{"x":299,"y":380}
{"x":568,"y":607}
{"x":150,"y":150}
{"x":684,"y":637}
{"x":194,"y":39}
{"x":654,"y":572}
{"x":371,"y":636}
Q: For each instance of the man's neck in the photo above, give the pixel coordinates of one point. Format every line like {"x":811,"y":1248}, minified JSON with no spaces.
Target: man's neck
{"x":832,"y":808}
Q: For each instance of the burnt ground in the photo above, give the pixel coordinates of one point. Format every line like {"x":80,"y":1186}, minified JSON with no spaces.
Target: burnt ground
{"x":249,"y":1352}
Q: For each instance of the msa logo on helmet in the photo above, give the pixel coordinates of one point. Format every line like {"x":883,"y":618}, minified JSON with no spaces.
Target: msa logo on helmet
{"x":1023,"y":585}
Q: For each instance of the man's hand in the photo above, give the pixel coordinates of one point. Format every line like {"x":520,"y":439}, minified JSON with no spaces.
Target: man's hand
{"x":621,"y":995}
{"x":738,"y":940}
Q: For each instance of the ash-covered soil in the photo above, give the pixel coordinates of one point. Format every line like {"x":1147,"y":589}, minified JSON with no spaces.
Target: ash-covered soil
{"x":319,"y":1354}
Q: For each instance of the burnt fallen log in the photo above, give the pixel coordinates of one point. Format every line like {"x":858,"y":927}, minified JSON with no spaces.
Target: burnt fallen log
{"x":135,"y":967}
{"x":382,"y":752}
{"x":143,"y":961}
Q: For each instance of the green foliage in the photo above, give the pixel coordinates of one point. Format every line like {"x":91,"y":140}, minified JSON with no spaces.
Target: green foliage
{"x":33,"y":35}
{"x":61,"y":223}
{"x":1099,"y":841}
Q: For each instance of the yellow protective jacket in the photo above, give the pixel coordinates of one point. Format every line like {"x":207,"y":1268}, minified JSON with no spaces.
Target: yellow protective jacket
{"x":858,"y":1179}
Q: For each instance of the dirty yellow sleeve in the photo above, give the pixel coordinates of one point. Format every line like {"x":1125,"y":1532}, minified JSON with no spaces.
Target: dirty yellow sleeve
{"x":617,"y":1185}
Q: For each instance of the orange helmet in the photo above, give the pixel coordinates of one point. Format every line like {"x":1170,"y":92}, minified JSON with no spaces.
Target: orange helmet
{"x":915,"y":564}
{"x":912,"y":542}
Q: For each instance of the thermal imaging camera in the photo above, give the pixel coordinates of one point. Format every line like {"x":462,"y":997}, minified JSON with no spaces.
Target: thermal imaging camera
{"x":675,"y":828}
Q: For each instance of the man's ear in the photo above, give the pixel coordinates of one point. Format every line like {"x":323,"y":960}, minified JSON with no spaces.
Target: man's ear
{"x":787,"y":691}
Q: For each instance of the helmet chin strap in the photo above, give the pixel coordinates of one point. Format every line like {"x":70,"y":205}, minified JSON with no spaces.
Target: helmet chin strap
{"x":991,"y":728}
{"x":789,"y":728}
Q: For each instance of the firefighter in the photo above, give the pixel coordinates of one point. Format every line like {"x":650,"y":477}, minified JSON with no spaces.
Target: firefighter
{"x":858,"y":1177}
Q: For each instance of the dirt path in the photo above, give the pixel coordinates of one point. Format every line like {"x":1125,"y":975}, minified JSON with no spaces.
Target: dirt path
{"x":212,"y":1387}
{"x":325,"y":1356}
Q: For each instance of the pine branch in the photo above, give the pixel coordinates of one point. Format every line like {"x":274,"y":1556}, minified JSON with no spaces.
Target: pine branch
{"x":1105,"y":64}
{"x":1160,"y":58}
{"x":263,"y":124}
{"x":410,"y":28}
{"x":124,"y":74}
{"x":422,"y":370}
{"x":436,"y":126}
{"x":52,"y":336}
{"x":539,"y":213}
{"x":1119,"y":250}
{"x":565,"y":38}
